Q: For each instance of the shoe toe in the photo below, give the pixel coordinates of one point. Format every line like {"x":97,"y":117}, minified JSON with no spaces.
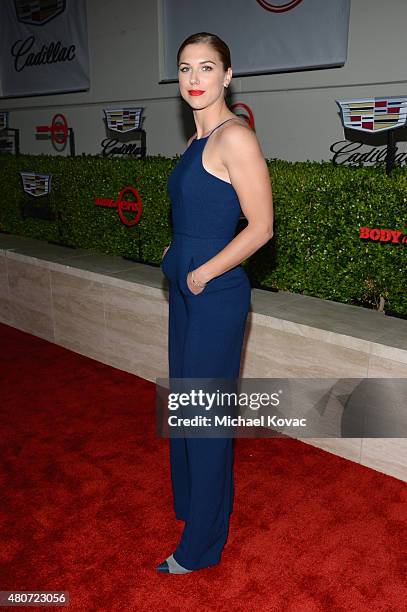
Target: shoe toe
{"x":163,"y":567}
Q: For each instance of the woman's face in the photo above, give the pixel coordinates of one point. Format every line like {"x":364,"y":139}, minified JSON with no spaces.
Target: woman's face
{"x":201,"y":75}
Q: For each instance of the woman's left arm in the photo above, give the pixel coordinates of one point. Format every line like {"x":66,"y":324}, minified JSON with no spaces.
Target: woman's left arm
{"x":248,"y":172}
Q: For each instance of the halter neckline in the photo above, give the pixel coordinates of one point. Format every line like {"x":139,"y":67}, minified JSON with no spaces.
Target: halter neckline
{"x":205,"y":137}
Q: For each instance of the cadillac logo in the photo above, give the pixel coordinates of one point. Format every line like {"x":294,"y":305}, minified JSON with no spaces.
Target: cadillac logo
{"x":374,"y":114}
{"x":123,"y":119}
{"x":38,"y":12}
{"x":36,"y":184}
{"x":279,"y":6}
{"x":3,"y":120}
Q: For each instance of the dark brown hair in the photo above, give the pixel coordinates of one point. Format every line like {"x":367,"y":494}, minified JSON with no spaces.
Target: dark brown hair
{"x":214,"y":41}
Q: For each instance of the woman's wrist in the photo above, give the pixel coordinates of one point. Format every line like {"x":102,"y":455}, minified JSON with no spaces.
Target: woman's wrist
{"x":200,"y":276}
{"x":196,"y":282}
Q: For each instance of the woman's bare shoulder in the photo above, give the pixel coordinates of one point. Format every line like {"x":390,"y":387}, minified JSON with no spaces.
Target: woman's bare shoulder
{"x":239,"y":121}
{"x":236,"y":133}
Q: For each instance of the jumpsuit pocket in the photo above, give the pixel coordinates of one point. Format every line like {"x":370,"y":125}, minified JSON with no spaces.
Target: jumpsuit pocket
{"x":183,"y":282}
{"x":228,"y":280}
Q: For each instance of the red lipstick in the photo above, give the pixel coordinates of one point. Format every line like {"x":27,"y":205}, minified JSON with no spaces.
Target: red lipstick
{"x":195,"y":92}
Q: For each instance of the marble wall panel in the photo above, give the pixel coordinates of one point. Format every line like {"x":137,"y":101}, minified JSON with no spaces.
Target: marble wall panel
{"x":78,"y":313}
{"x":30,"y":300}
{"x":5,"y":309}
{"x":136,"y":331}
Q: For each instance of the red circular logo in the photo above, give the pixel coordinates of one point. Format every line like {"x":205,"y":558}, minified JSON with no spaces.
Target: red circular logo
{"x":247,"y":114}
{"x":279,"y":8}
{"x":59,"y":129}
{"x":129,"y":206}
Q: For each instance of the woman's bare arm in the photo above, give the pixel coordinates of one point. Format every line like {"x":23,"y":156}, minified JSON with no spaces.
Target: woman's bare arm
{"x":244,"y":160}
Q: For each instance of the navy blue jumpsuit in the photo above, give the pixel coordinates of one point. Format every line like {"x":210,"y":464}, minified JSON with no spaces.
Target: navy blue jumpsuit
{"x":205,"y":339}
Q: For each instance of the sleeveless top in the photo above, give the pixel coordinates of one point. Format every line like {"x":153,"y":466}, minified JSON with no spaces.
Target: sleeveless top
{"x":202,"y":205}
{"x":205,"y":212}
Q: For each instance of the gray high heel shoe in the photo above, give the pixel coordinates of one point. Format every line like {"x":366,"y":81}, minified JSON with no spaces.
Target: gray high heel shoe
{"x":171,"y":566}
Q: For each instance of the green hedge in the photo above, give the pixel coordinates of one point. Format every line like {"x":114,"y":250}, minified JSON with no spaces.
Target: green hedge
{"x":319,"y":208}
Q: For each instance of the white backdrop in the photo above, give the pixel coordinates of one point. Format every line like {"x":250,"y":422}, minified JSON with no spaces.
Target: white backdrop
{"x":43,"y":47}
{"x":313,"y":33}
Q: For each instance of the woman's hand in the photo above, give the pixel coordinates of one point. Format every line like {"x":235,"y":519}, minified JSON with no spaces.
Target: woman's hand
{"x":165,"y":250}
{"x":192,"y":287}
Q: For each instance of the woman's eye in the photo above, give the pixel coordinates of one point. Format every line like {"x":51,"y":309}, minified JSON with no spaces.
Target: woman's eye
{"x":184,"y":68}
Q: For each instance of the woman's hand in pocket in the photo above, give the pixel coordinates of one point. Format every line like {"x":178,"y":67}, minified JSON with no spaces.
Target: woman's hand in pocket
{"x":165,"y":250}
{"x":192,"y":287}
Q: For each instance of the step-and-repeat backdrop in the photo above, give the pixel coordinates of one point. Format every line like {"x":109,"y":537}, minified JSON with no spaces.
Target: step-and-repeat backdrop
{"x":43,"y":47}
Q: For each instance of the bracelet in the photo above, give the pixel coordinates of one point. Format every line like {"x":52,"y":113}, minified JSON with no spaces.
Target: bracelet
{"x":197,"y":283}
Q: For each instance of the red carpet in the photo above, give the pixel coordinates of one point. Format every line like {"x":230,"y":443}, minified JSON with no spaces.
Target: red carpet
{"x":86,"y":504}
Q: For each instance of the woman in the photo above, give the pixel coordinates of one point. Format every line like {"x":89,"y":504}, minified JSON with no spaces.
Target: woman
{"x":216,"y":178}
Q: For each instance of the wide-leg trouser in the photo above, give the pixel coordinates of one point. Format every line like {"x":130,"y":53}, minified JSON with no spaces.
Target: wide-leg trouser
{"x":206,"y":333}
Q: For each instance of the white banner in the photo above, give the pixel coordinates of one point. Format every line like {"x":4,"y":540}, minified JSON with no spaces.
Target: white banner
{"x":43,"y":47}
{"x":264,"y":36}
